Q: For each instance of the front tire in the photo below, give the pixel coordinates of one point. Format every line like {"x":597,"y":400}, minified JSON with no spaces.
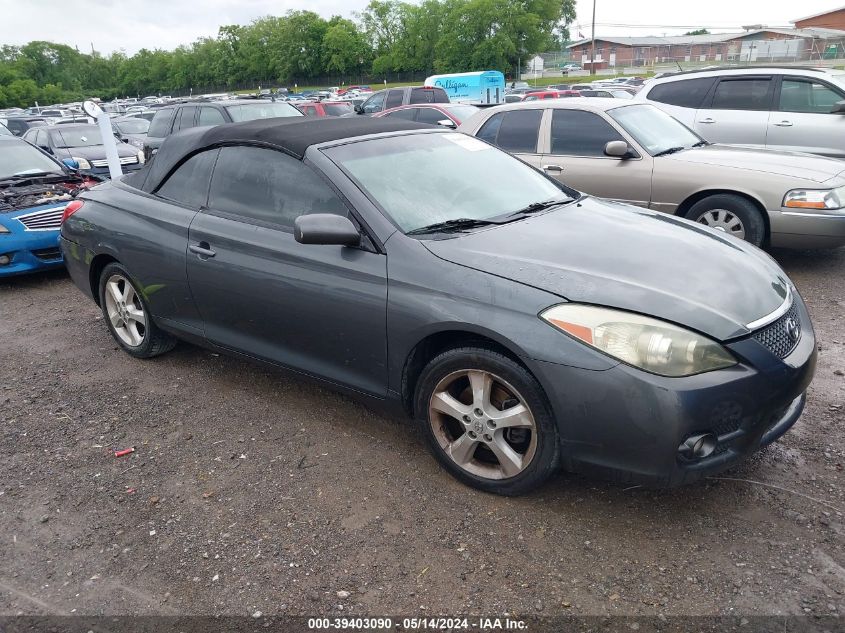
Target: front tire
{"x":128,"y":316}
{"x":732,"y":214}
{"x":487,"y":421}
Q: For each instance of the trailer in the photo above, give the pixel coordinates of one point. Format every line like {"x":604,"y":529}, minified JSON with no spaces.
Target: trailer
{"x":481,"y":88}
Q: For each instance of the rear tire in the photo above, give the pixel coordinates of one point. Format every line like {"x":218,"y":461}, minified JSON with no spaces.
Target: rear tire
{"x":487,"y":421}
{"x":128,"y":317}
{"x":732,"y":214}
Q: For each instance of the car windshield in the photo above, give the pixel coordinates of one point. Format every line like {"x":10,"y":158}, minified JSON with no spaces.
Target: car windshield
{"x":652,"y":128}
{"x":136,"y":126}
{"x":21,"y":158}
{"x":462,"y":112}
{"x":87,"y":136}
{"x":4,"y":131}
{"x":261,"y":110}
{"x":837,"y":78}
{"x":424,"y":179}
{"x":337,"y":109}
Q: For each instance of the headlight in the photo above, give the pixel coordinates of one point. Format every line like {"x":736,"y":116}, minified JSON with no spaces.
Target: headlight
{"x":141,"y":157}
{"x":83,"y":164}
{"x":650,"y":344}
{"x":815,"y":198}
{"x":3,"y":230}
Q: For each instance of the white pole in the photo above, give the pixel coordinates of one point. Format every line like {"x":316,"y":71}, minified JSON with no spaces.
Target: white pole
{"x":110,"y":143}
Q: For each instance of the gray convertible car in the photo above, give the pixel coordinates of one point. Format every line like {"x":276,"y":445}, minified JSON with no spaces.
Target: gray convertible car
{"x":525,"y":325}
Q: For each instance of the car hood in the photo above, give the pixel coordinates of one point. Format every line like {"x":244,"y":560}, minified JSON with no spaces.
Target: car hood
{"x":780,"y":163}
{"x":610,"y":254}
{"x":95,"y":152}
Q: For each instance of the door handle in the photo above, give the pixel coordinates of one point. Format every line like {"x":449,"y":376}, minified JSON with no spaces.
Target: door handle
{"x":202,"y":249}
{"x":784,"y":124}
{"x":707,"y":120}
{"x":554,"y":168}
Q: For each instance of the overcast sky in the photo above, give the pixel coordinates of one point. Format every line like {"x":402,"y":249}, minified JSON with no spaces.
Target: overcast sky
{"x":116,"y":24}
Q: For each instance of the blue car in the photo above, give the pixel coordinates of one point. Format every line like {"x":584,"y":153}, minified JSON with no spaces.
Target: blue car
{"x":35,"y":188}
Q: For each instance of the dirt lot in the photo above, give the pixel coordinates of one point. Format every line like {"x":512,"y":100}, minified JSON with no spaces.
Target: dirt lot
{"x":254,"y":491}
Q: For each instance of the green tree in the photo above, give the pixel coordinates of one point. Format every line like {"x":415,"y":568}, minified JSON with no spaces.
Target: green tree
{"x":698,"y":32}
{"x":344,"y":47}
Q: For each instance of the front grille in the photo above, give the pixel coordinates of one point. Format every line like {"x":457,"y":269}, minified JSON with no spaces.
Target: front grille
{"x":781,"y":337}
{"x":127,"y":160}
{"x":45,"y":220}
{"x":47,"y":253}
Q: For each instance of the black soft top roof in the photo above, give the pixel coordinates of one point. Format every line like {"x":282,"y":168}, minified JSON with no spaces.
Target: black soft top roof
{"x":293,"y":135}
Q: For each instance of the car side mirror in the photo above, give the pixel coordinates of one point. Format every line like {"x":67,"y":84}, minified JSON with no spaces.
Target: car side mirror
{"x":618,"y":149}
{"x":359,"y":109}
{"x":447,"y":123}
{"x":838,"y":108}
{"x":325,"y":228}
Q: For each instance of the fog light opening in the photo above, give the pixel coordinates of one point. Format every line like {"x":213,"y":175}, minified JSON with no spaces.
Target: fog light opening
{"x":5,"y":260}
{"x":697,"y":446}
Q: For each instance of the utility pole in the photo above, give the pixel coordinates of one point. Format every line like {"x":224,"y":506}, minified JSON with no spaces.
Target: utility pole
{"x":593,"y":46}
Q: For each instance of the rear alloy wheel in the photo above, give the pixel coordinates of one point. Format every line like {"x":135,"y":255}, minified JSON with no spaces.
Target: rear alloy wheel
{"x":487,"y":421}
{"x":128,"y":316}
{"x":730,"y":214}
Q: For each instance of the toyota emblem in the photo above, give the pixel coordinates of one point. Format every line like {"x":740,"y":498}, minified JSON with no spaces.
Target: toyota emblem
{"x":792,"y":330}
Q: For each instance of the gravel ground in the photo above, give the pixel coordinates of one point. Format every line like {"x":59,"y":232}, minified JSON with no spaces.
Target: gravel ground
{"x":252,"y":491}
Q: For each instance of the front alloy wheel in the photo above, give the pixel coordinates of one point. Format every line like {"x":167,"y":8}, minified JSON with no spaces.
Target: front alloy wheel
{"x":482,"y":423}
{"x":487,"y":420}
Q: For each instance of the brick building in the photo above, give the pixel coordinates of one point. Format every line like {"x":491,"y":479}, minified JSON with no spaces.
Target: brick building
{"x":834,"y":19}
{"x":755,"y":45}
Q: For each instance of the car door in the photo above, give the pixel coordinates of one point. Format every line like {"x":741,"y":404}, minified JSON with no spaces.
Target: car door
{"x":573,"y":152}
{"x":517,"y":132}
{"x":802,"y":119}
{"x":737,"y":110}
{"x":185,"y":118}
{"x":394,"y":98}
{"x":317,"y":309}
{"x":210,"y":116}
{"x":374,"y":104}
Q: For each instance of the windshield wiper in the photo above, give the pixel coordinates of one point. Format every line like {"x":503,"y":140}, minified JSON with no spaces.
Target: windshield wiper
{"x":536,"y":207}
{"x":457,"y":224}
{"x":701,"y":143}
{"x":671,"y":150}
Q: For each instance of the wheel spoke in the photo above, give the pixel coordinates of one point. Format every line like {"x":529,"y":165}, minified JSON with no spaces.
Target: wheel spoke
{"x":462,"y":449}
{"x":134,"y":336}
{"x":481,"y":384}
{"x":445,"y":403}
{"x":137,"y":315}
{"x":515,"y":416}
{"x":114,"y":290}
{"x":509,"y":459}
{"x":115,"y":319}
{"x":128,"y":293}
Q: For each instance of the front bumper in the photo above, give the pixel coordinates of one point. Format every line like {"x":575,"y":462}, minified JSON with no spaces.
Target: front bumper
{"x":29,"y":251}
{"x":627,"y":425}
{"x":796,"y":229}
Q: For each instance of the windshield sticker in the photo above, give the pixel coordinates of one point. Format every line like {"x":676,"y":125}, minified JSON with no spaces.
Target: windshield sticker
{"x":468,"y":142}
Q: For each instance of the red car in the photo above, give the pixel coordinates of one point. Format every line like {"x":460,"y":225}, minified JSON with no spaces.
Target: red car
{"x":551,"y":94}
{"x":325,"y":108}
{"x":432,"y":113}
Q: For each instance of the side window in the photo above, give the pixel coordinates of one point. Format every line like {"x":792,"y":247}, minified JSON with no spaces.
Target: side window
{"x":210,"y":116}
{"x":42,"y":139}
{"x":408,"y":114}
{"x":266,"y":185}
{"x":799,"y":95}
{"x":490,"y":130}
{"x":309,"y":110}
{"x":517,"y":130}
{"x":687,"y":93}
{"x":579,"y":133}
{"x":15,"y":127}
{"x":30,"y":135}
{"x":742,"y":94}
{"x":428,"y":95}
{"x":160,"y":123}
{"x":185,"y":118}
{"x":394,"y":98}
{"x":430,"y":116}
{"x":374,"y":103}
{"x":189,"y":183}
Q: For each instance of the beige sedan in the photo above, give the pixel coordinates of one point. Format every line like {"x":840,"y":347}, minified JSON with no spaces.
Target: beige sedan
{"x":638,"y":154}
